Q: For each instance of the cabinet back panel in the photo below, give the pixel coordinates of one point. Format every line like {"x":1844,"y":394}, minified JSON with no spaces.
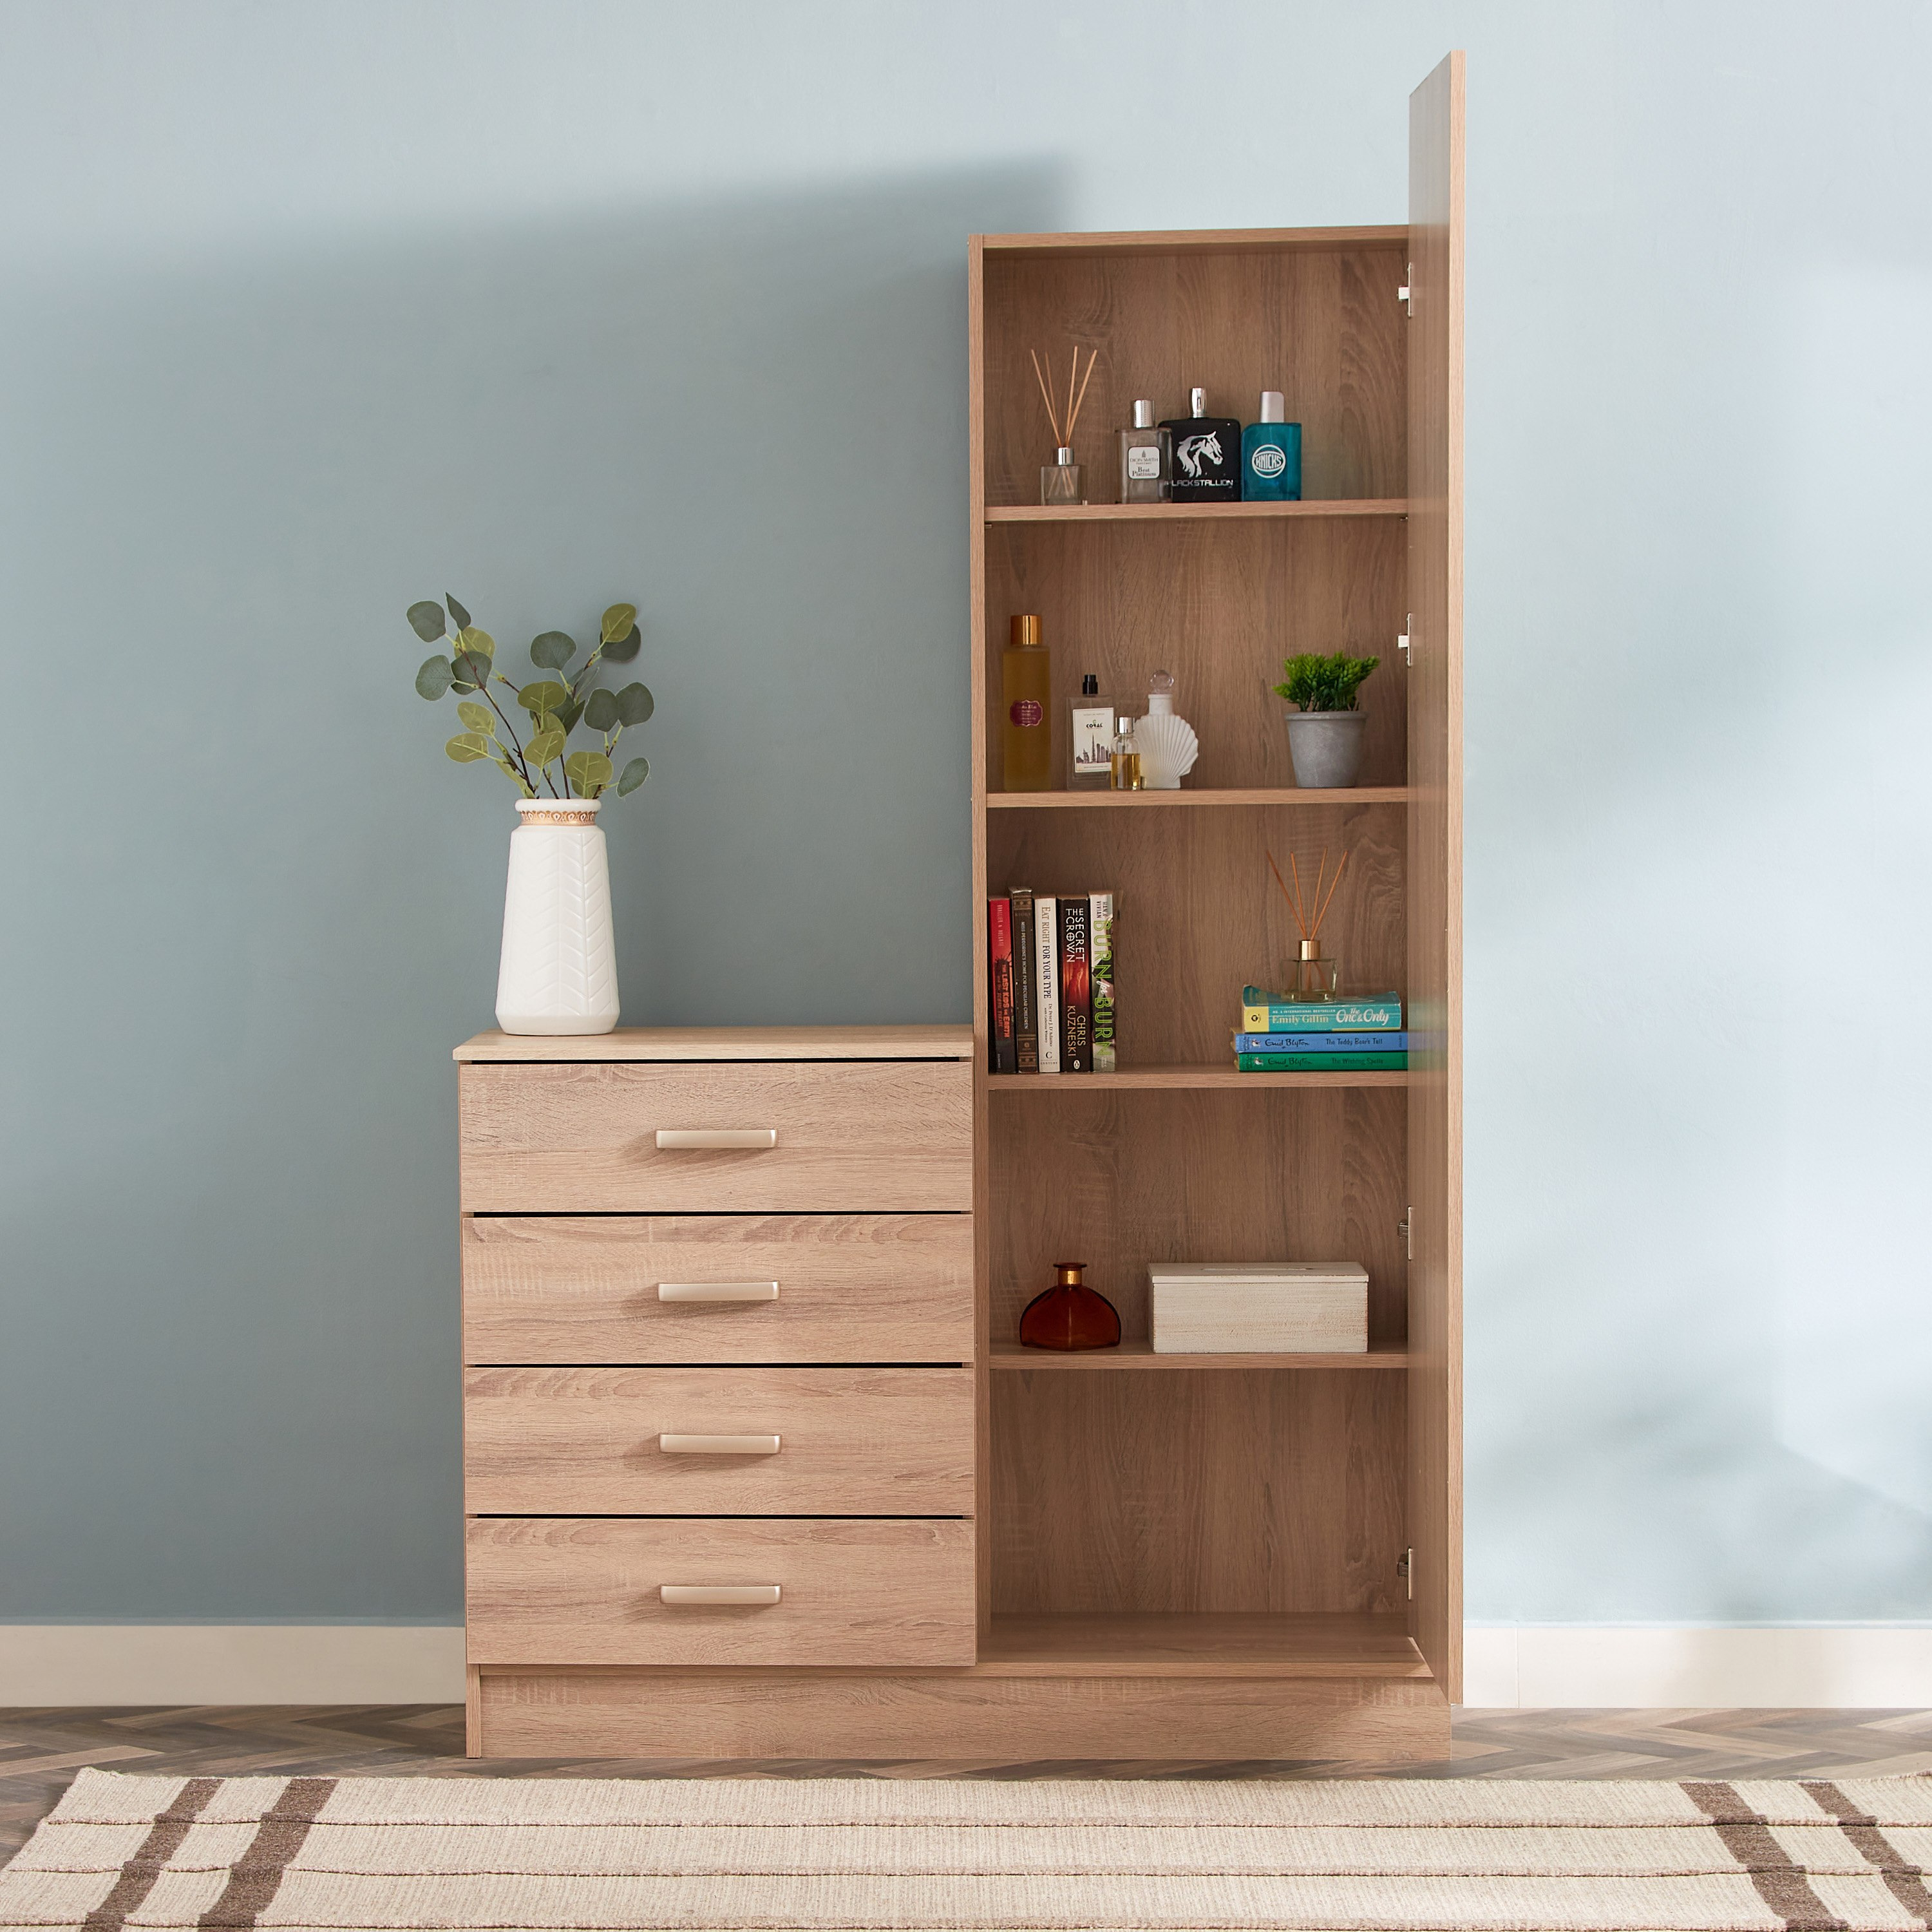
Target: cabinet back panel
{"x":1197,"y":1490}
{"x":1198,"y":914}
{"x":1322,"y":326}
{"x":1218,"y":604}
{"x":1118,"y":1179}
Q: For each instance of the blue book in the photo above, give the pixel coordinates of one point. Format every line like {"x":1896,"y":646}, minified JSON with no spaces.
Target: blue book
{"x":1306,"y":1041}
{"x":1372,"y":1011}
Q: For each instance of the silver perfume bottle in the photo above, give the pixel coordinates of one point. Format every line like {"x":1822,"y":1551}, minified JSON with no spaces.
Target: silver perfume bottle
{"x":1147,"y":459}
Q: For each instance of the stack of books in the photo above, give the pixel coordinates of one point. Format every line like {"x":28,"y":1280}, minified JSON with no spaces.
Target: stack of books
{"x":1050,"y":963}
{"x":1339,"y":1036}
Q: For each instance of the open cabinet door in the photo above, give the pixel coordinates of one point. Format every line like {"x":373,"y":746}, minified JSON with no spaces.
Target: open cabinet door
{"x":1435,"y":923}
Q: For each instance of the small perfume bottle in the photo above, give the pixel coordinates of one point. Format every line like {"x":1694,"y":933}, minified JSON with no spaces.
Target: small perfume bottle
{"x":1060,"y":480}
{"x":1207,"y":455}
{"x":1026,"y":689}
{"x":1124,"y":766}
{"x":1167,"y":743}
{"x":1070,"y":1315}
{"x":1147,"y":459}
{"x":1091,"y":730}
{"x":1271,"y":455}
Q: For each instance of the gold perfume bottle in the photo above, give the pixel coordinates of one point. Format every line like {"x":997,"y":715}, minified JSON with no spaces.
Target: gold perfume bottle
{"x":1127,"y":758}
{"x":1026,"y":688}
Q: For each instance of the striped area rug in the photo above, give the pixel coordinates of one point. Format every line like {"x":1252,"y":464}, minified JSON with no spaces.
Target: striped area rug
{"x":869,"y":1855}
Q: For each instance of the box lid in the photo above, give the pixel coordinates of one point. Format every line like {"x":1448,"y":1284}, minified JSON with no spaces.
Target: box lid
{"x":1258,"y":1273}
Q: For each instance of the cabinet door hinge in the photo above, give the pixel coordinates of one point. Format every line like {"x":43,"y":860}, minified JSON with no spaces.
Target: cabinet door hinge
{"x":1406,"y":295}
{"x":1405,"y":1228}
{"x":1401,"y":644}
{"x":1405,"y":1570}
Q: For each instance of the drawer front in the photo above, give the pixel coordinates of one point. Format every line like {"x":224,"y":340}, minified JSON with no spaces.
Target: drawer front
{"x":723,"y":1441}
{"x":850,"y":1287}
{"x":842,"y":1137}
{"x":557,"y":1592}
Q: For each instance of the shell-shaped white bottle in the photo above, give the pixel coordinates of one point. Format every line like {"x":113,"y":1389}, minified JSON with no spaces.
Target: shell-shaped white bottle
{"x":559,"y":970}
{"x":1169,"y":746}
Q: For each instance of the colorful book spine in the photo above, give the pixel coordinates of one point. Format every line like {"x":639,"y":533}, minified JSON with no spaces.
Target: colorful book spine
{"x":1046,"y":980}
{"x":1100,"y":918}
{"x":1374,"y":1013}
{"x":1322,"y":1063}
{"x":1321,"y":1043}
{"x":1076,"y":986}
{"x":1026,"y":961}
{"x":1001,"y":1055}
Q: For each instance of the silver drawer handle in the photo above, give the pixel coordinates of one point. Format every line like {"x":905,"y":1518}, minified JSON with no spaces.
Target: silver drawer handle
{"x":717,"y":1137}
{"x":718,"y":1593}
{"x":718,"y":1291}
{"x":719,"y":1445}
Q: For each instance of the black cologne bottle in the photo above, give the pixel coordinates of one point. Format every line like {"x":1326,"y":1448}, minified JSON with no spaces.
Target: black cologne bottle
{"x":1207,"y":455}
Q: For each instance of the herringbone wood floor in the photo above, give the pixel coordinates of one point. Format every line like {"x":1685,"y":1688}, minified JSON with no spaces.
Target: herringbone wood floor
{"x":40,"y":1750}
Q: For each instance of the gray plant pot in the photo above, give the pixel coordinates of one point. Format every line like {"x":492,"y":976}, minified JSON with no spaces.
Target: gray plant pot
{"x":1326,"y":747}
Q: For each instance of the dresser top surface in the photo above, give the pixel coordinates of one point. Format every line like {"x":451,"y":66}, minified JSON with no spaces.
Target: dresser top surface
{"x":801,"y":1043}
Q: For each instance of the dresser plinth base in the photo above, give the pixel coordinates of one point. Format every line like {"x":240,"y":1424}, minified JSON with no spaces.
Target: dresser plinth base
{"x":516,"y":1712}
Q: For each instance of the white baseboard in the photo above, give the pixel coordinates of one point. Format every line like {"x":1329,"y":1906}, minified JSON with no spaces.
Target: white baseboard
{"x":230,"y":1664}
{"x":1846,"y":1666}
{"x":1518,"y":1666}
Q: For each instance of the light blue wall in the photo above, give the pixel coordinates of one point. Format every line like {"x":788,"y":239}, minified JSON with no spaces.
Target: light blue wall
{"x":308,"y":312}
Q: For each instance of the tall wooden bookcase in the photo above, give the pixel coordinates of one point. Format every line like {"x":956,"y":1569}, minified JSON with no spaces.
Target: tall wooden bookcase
{"x":1291,"y":1524}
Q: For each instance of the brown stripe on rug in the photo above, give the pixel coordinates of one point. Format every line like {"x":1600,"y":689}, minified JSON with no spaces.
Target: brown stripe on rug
{"x":163,"y":1839}
{"x":1781,"y":1882}
{"x":1904,"y":1880}
{"x":256,"y":1875}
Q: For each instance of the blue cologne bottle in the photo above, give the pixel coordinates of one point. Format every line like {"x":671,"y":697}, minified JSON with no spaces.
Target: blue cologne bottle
{"x":1271,"y":455}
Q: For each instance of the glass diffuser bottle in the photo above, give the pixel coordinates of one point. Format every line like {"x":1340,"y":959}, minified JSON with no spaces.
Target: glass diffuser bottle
{"x":1026,"y":689}
{"x":1070,"y":1315}
{"x":1060,"y":480}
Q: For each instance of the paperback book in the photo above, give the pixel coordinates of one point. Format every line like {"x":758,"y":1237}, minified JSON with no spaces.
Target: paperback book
{"x":1310,"y":1042}
{"x":1046,"y":980}
{"x":1101,"y":941}
{"x":1263,"y":1012}
{"x":1076,"y":985}
{"x":1322,"y":1063}
{"x":1002,"y":1056}
{"x":1026,"y":1009}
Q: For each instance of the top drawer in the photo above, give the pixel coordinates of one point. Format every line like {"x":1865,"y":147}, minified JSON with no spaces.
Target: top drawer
{"x":846,"y":1137}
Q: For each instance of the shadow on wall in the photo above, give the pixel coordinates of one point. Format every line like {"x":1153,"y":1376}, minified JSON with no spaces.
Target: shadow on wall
{"x":248,"y":933}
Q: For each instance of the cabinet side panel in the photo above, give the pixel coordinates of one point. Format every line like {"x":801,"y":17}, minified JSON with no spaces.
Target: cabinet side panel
{"x":1435,"y":923}
{"x":976,"y":378}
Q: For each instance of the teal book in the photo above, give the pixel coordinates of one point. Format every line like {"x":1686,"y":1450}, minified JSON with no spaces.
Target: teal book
{"x":1322,"y":1063}
{"x":1261,"y":1013}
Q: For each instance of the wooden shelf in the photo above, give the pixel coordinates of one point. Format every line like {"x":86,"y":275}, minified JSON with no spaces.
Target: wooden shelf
{"x":1219,"y":1074}
{"x":1140,"y":1355}
{"x":1232,"y":795}
{"x":1231,"y":1644}
{"x":1178,"y":513}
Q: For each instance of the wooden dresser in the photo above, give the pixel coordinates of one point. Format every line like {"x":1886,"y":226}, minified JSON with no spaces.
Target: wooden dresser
{"x":719,"y":1401}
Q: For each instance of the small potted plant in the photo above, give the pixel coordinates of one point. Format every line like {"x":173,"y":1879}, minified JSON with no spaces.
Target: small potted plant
{"x":1325,"y":728}
{"x":559,"y":969}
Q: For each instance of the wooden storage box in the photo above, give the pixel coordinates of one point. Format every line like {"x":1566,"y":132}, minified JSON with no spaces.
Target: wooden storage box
{"x":1216,"y":1308}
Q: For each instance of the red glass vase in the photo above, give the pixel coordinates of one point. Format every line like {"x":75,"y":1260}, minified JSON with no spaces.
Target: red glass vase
{"x":1070,"y":1315}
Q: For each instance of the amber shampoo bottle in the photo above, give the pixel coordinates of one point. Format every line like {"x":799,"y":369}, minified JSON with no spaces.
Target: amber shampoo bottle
{"x":1070,"y":1315}
{"x":1026,"y":687}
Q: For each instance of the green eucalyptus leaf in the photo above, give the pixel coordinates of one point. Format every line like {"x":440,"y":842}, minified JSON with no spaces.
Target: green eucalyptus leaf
{"x":467,"y":747}
{"x":426,"y":620}
{"x":480,"y":642}
{"x":621,"y":650}
{"x":590,"y":771}
{"x":552,"y":650}
{"x":542,"y":746}
{"x":620,"y":621}
{"x":457,"y":610}
{"x":434,"y":678}
{"x":635,"y":704}
{"x":471,"y":672}
{"x":545,"y":694}
{"x":635,"y":773}
{"x":478,"y":718}
{"x":601,"y":713}
{"x":567,"y":717}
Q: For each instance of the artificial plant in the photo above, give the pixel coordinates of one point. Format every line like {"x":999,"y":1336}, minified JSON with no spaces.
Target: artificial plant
{"x":1313,"y":682}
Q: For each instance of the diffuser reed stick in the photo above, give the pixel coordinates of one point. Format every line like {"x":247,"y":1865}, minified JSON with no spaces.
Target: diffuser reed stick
{"x":1063,"y":437}
{"x":1310,"y":926}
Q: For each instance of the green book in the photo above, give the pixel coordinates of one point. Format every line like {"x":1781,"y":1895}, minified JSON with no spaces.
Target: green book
{"x":1322,"y":1063}
{"x":1261,"y":1013}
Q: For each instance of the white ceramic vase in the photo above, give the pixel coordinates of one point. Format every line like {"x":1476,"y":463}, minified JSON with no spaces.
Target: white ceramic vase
{"x":559,"y":973}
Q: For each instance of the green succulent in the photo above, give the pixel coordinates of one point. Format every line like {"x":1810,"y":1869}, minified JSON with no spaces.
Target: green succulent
{"x":554,"y":702}
{"x":1311,"y":682}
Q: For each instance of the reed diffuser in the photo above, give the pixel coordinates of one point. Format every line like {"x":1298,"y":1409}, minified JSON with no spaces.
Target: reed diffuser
{"x":1311,"y":975}
{"x":1060,"y":480}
